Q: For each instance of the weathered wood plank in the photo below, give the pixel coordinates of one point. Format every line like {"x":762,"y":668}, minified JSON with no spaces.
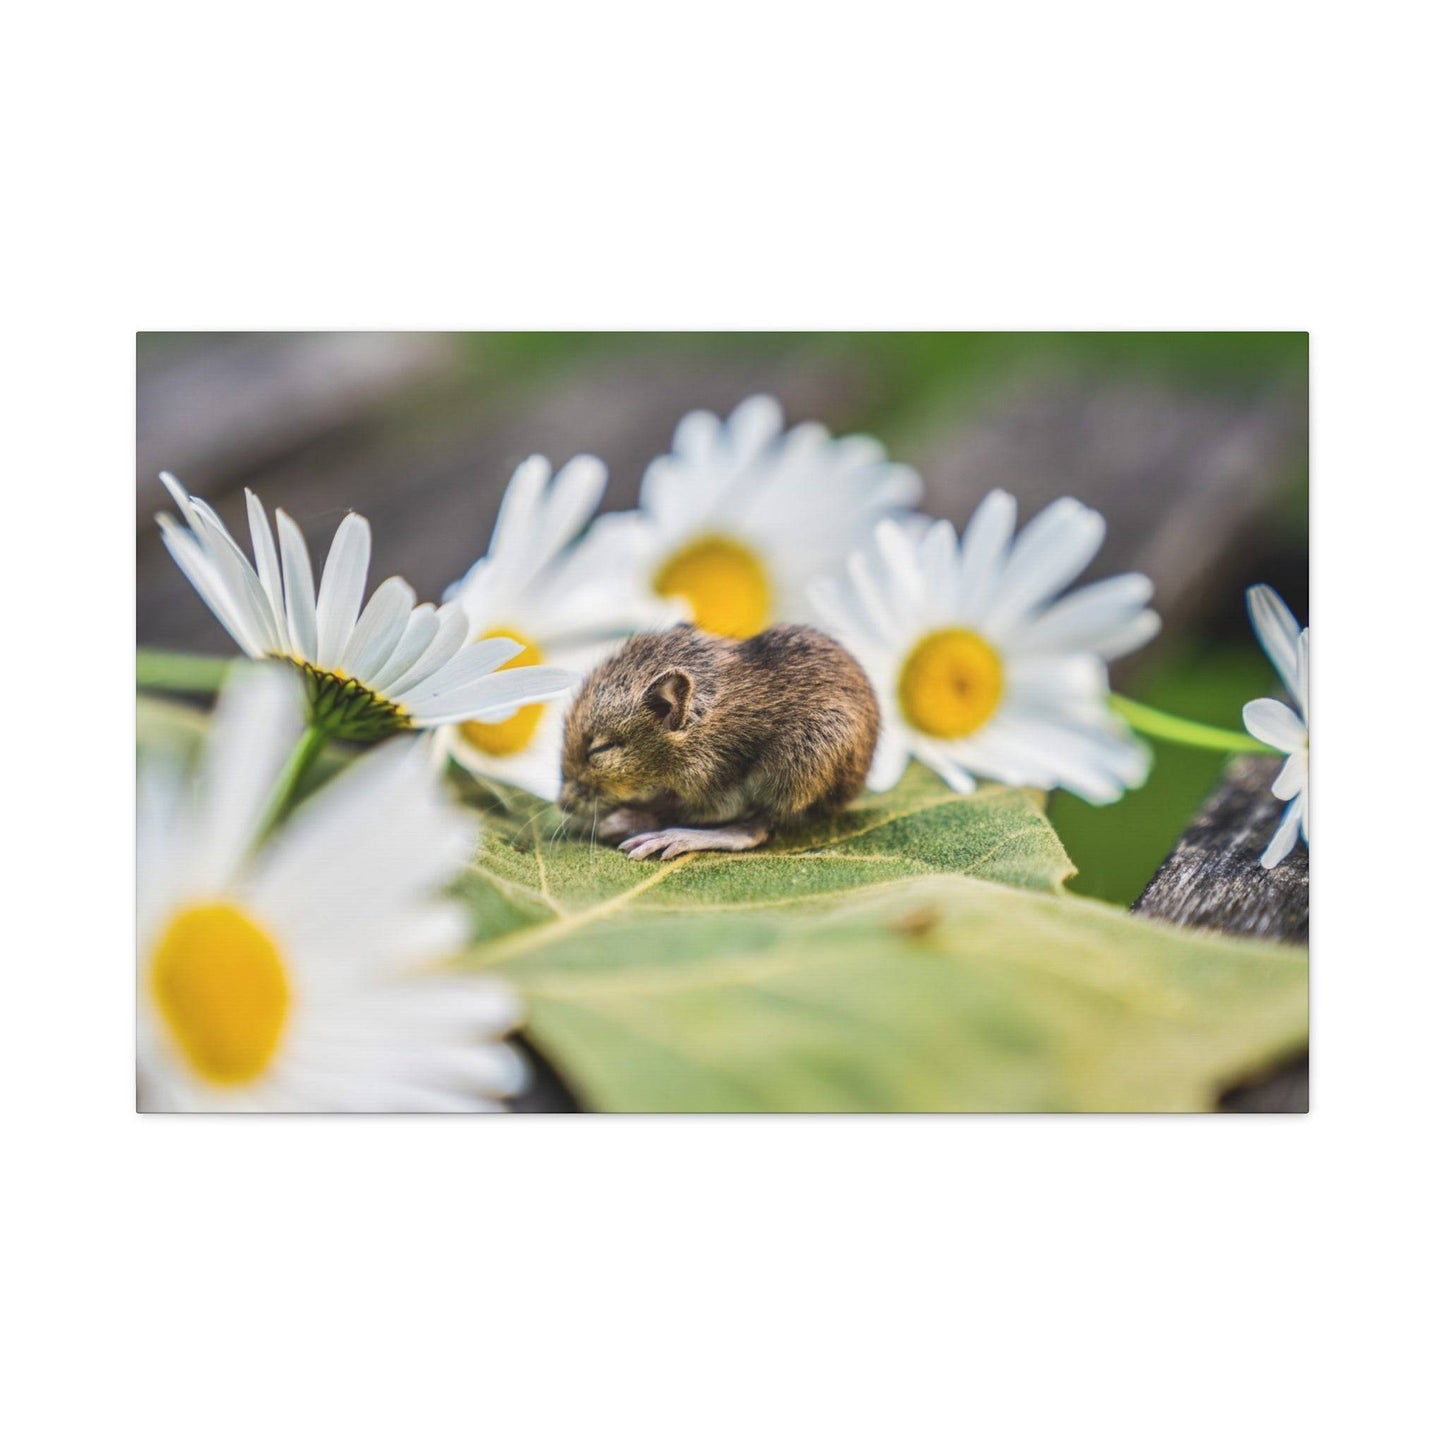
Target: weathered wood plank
{"x":1213,"y":880}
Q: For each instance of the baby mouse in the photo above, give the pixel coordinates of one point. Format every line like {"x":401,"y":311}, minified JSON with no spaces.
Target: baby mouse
{"x":686,"y":741}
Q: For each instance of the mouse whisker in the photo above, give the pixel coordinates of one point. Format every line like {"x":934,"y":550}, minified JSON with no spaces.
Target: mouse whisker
{"x":526,"y":823}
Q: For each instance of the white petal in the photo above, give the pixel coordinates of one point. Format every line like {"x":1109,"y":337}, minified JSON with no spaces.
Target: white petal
{"x":180,"y":498}
{"x":541,"y":776}
{"x":1047,"y":555}
{"x":421,"y":628}
{"x":669,"y":505}
{"x":267,"y":566}
{"x":903,"y":568}
{"x":300,"y":588}
{"x":378,"y":629}
{"x":447,"y":640}
{"x":399,"y":925}
{"x":257,"y":722}
{"x":522,"y":574}
{"x":536,"y":767}
{"x":514,"y":687}
{"x":1094,"y":760}
{"x":1303,"y":667}
{"x":366,"y":1072}
{"x":900,"y":486}
{"x":1272,"y":722}
{"x":599,"y":588}
{"x":375,"y":839}
{"x":949,"y":769}
{"x":889,"y":759}
{"x":990,"y":754}
{"x":833,"y":603}
{"x":1072,"y":677}
{"x":571,"y":500}
{"x":1292,"y":777}
{"x":520,"y":505}
{"x":474,"y":661}
{"x":938,"y":554}
{"x":477,"y":1006}
{"x":201,"y":572}
{"x":487,"y":1069}
{"x":163,"y":827}
{"x":241,"y":580}
{"x":868,"y":575}
{"x":343,"y":584}
{"x":1084,"y":619}
{"x":853,"y":453}
{"x":1278,"y":634}
{"x":981,"y":553}
{"x":1128,"y":635}
{"x":1286,"y":836}
{"x":753,"y":426}
{"x":697,"y":434}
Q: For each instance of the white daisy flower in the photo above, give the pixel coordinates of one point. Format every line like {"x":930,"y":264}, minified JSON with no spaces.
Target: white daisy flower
{"x":566,"y":607}
{"x":1288,"y":648}
{"x":980,"y":666}
{"x":740,"y":516}
{"x":296,"y":978}
{"x":370,"y":671}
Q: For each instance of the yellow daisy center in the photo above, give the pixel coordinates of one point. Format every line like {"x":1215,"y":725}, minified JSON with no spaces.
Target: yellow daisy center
{"x":220,"y":984}
{"x":502,"y":739}
{"x":725,"y":583}
{"x":950,"y":684}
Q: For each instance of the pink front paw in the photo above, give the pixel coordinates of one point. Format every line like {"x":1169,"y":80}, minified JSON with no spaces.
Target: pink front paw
{"x":623,"y":823}
{"x":674,"y":842}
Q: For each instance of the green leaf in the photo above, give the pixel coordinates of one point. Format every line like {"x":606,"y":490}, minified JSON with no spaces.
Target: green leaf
{"x":914,"y":954}
{"x":528,"y":872}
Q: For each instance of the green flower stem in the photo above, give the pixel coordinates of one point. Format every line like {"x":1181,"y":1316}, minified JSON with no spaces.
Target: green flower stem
{"x":161,"y":671}
{"x":1170,"y":729}
{"x":288,"y":785}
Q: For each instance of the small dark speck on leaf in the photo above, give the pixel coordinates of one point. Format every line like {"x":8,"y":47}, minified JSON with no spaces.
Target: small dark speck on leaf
{"x":916,"y":922}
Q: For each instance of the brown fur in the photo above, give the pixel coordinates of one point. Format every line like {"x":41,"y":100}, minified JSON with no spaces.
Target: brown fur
{"x":777,"y":729}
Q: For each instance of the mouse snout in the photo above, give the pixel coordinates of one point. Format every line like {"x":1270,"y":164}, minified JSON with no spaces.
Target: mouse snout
{"x":574,"y":796}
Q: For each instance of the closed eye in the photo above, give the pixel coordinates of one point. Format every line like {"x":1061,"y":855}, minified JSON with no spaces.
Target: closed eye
{"x":597,"y":749}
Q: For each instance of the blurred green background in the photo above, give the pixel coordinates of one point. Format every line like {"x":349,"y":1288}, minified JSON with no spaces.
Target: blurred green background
{"x":1193,"y":444}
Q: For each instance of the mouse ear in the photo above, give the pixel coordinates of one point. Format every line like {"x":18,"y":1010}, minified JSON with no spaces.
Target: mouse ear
{"x":667,"y":697}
